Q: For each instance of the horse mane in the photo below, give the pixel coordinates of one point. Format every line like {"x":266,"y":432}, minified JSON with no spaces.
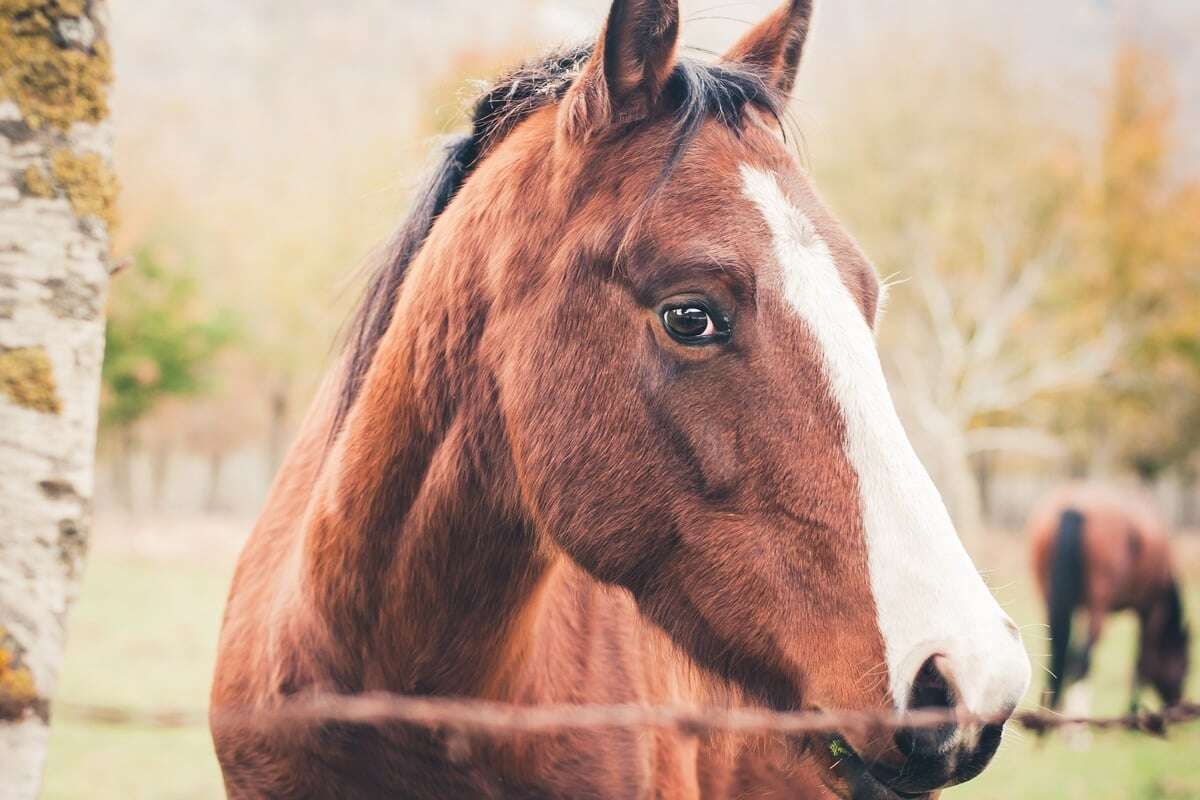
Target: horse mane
{"x":695,"y":91}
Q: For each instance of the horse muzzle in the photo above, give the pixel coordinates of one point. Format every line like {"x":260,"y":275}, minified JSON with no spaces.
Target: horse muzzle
{"x":943,"y":757}
{"x":920,"y":760}
{"x":932,"y":760}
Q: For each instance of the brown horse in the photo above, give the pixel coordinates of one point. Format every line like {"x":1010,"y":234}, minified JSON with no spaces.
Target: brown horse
{"x":1103,"y":550}
{"x":612,"y":428}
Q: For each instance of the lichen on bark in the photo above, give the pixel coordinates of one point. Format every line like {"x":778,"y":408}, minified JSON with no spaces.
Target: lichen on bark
{"x":36,"y":182}
{"x":89,"y":183}
{"x":55,"y":74}
{"x":18,"y":692}
{"x":85,"y":179}
{"x":27,"y":379}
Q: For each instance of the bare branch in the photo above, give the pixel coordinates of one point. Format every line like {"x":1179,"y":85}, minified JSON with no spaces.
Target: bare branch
{"x":1008,"y":304}
{"x":1008,"y":389}
{"x":1032,"y":441}
{"x":939,"y":307}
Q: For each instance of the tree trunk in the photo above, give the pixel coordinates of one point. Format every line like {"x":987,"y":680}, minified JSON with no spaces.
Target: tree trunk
{"x":1188,"y":475}
{"x":122,"y":468}
{"x":984,"y":468}
{"x":160,"y":465}
{"x":212,"y":503}
{"x":56,"y":200}
{"x":959,"y":489}
{"x":277,"y":432}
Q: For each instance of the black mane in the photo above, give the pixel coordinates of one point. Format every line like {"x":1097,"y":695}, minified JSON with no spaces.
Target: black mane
{"x":695,"y":91}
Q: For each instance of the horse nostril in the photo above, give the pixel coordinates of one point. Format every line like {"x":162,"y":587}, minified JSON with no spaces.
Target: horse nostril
{"x":932,"y":688}
{"x":952,"y":751}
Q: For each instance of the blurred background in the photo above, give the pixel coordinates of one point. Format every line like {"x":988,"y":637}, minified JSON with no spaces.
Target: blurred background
{"x":1025,"y":175}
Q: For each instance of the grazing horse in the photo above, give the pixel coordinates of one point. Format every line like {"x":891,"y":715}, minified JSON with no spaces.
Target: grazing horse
{"x":1099,"y":549}
{"x":612,"y":428}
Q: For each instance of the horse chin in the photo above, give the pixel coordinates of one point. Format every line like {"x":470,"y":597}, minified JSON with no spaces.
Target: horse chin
{"x":847,"y":776}
{"x":850,"y":777}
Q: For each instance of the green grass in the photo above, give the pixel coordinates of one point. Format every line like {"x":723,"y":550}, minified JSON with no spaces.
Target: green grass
{"x":143,"y":634}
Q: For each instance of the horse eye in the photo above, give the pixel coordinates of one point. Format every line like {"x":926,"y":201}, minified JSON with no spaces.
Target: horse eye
{"x":694,"y":324}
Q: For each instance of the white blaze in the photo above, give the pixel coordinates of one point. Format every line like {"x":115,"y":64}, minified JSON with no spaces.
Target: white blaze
{"x":929,"y":596}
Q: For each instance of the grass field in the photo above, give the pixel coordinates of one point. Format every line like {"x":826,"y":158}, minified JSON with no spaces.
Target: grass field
{"x":143,"y":634}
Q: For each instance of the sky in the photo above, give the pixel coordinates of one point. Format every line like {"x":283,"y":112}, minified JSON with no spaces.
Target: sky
{"x":309,"y":63}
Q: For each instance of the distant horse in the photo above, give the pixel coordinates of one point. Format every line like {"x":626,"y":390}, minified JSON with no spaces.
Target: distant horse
{"x":612,"y":428}
{"x":1099,"y":549}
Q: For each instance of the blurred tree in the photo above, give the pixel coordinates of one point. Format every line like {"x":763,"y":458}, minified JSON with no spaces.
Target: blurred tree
{"x":57,"y":194}
{"x":161,"y":342}
{"x":1142,"y":267}
{"x":1050,"y":290}
{"x":958,"y":179}
{"x":216,"y":425}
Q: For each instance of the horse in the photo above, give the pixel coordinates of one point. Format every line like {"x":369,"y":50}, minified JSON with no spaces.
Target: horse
{"x":1107,"y":550}
{"x":611,"y":427}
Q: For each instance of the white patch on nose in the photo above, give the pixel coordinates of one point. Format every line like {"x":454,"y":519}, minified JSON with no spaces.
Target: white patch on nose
{"x":929,"y":597}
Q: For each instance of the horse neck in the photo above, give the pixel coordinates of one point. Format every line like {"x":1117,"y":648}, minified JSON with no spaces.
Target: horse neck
{"x":417,"y":559}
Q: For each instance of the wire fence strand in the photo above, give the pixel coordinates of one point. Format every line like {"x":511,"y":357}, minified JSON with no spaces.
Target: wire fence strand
{"x":486,"y":717}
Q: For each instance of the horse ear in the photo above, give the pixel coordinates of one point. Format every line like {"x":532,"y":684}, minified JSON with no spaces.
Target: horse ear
{"x":773,"y":46}
{"x":629,"y":67}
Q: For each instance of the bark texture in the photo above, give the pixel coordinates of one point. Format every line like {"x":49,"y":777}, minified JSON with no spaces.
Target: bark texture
{"x":56,"y":202}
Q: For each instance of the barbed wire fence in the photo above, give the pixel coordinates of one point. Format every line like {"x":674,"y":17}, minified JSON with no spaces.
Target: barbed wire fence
{"x":486,"y":717}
